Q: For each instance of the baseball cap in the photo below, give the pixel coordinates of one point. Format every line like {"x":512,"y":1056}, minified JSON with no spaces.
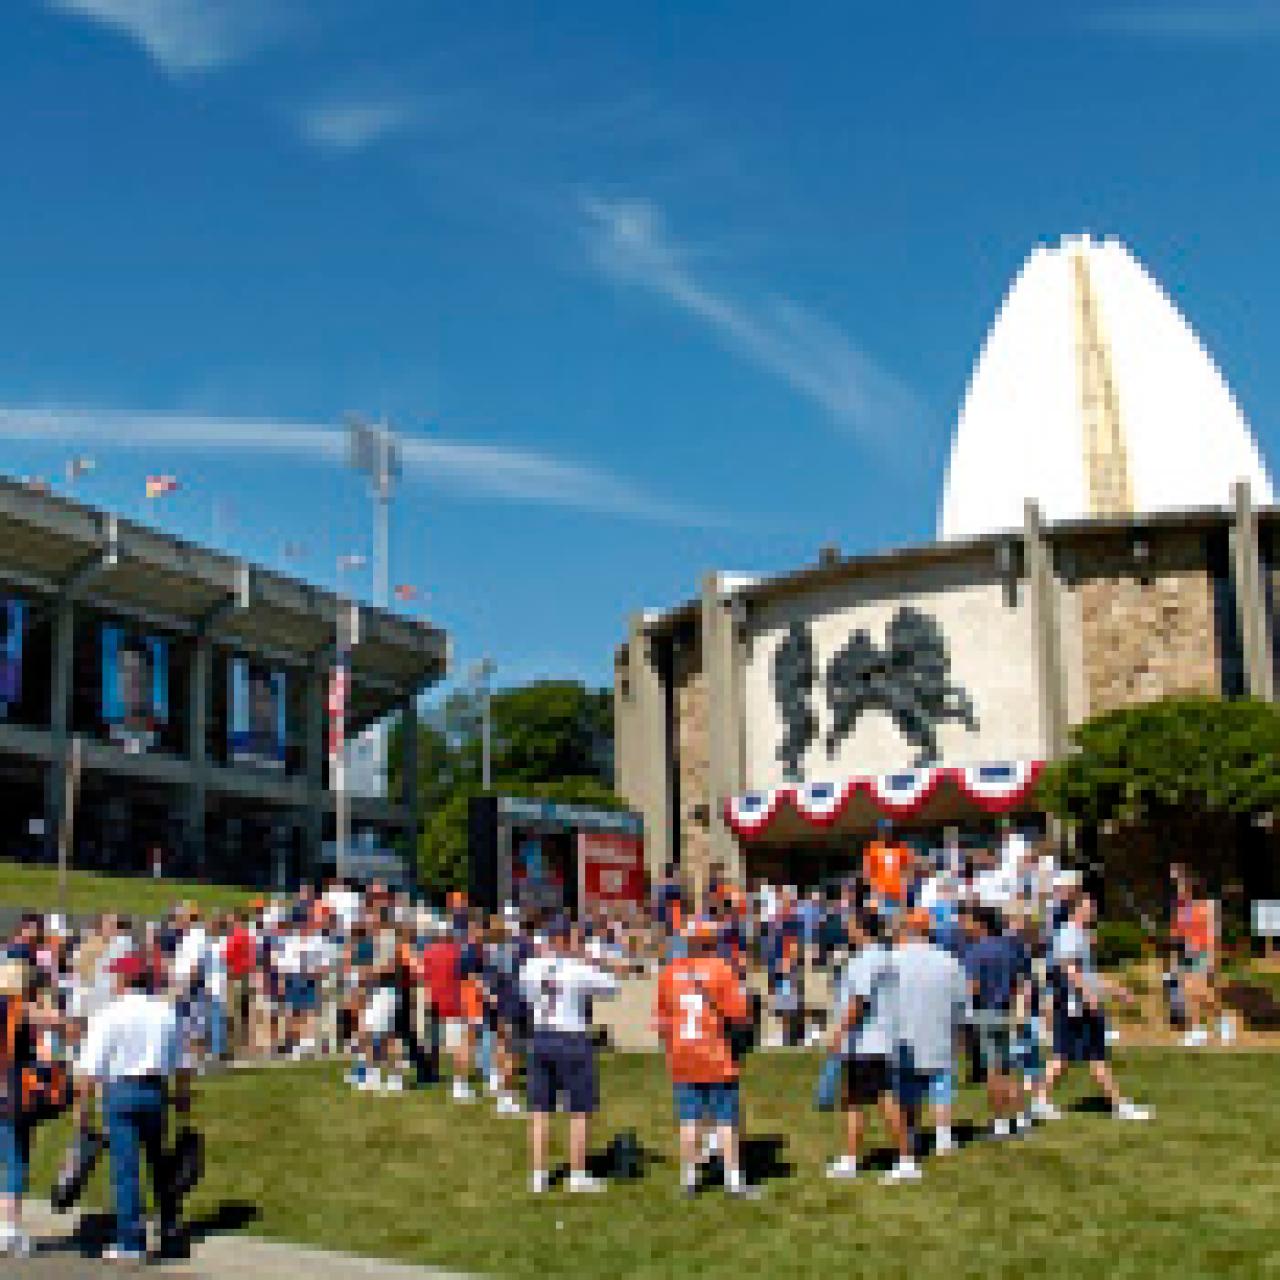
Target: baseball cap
{"x":130,"y":966}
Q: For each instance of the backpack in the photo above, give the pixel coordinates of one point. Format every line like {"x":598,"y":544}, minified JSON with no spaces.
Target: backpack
{"x":35,"y":1090}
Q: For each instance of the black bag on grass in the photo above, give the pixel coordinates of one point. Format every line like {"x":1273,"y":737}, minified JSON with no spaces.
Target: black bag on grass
{"x":186,"y":1161}
{"x":78,"y":1163}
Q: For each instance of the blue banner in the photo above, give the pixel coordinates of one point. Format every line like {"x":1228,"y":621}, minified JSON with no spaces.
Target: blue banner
{"x":257,"y":719}
{"x":13,"y":621}
{"x":135,"y":686}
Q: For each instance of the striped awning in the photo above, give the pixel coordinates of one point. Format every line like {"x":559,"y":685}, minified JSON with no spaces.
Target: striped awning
{"x":992,"y":788}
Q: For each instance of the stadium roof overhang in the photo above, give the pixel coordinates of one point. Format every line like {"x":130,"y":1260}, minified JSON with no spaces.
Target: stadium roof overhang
{"x":52,"y":547}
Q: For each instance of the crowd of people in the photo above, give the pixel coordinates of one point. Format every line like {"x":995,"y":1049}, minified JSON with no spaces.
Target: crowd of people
{"x":897,"y":973}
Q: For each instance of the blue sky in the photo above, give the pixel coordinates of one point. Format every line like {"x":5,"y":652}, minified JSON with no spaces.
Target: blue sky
{"x":651,"y":289}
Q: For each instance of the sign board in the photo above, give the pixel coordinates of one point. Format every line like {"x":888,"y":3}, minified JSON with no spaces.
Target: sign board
{"x":612,"y":869}
{"x":1266,"y":918}
{"x":568,"y":816}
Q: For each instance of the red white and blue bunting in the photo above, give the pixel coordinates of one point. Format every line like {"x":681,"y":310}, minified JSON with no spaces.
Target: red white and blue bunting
{"x":993,"y":788}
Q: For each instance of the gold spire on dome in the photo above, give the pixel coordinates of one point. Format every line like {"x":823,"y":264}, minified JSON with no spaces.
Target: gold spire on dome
{"x":1106,"y":459}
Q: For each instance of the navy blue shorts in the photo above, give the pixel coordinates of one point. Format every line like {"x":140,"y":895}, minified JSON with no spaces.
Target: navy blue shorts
{"x":1080,"y":1039}
{"x":562,"y":1064}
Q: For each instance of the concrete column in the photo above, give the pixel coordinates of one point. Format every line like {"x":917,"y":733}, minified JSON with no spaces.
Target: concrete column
{"x":724,"y":723}
{"x":62,"y":689}
{"x":644,"y":778}
{"x":199,"y":696}
{"x":1251,"y":595}
{"x":1042,"y":598}
{"x":313,"y":763}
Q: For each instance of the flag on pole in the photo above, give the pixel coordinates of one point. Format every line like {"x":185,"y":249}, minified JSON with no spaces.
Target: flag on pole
{"x":158,"y":486}
{"x":336,"y":705}
{"x":406,"y":593}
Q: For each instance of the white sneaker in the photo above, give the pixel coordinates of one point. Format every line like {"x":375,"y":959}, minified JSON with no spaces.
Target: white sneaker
{"x":584,"y":1182}
{"x":462,"y":1092}
{"x":1001,"y":1129}
{"x":903,"y":1171}
{"x":14,"y":1243}
{"x":1045,"y":1111}
{"x":509,"y":1106}
{"x":539,"y":1181}
{"x":114,"y":1253}
{"x":372,"y":1081}
{"x":943,"y":1142}
{"x":1227,"y":1029}
{"x":743,"y":1190}
{"x":843,"y":1169}
{"x":1195,"y":1038}
{"x":394,"y":1084}
{"x":1127,"y":1110}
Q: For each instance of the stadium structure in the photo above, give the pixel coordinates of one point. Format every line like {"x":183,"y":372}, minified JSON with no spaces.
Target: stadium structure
{"x":168,"y":709}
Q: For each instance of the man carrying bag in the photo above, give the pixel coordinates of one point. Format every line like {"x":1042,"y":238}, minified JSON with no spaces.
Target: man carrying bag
{"x":130,"y":1055}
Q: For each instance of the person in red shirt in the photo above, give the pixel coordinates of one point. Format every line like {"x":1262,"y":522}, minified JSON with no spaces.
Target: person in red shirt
{"x":241,"y":959}
{"x":441,"y":968}
{"x":699,"y":997}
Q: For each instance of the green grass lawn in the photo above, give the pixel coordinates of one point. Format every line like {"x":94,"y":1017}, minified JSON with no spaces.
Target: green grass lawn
{"x":33,"y":888}
{"x":415,"y":1177}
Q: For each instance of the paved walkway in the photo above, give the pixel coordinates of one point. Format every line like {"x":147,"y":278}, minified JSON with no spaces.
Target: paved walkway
{"x":217,"y":1257}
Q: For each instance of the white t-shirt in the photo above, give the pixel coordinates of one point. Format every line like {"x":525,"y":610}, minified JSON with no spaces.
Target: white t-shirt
{"x":135,"y":1035}
{"x":191,"y":955}
{"x":345,"y":904}
{"x":558,"y":990}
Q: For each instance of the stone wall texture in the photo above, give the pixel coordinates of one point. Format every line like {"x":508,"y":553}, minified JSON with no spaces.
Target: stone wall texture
{"x":1148,"y":630}
{"x":690,"y":733}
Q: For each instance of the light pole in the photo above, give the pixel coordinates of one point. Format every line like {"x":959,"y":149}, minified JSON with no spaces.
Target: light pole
{"x":481,"y":676}
{"x":374,"y":451}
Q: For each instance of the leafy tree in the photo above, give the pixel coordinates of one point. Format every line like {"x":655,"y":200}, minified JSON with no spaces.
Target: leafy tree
{"x":1166,"y":759}
{"x":551,"y":740}
{"x":1182,"y":774}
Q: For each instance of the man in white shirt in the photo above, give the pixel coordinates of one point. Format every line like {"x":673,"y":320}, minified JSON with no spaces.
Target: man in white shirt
{"x":930,"y":997}
{"x":558,"y":988}
{"x":129,"y":1055}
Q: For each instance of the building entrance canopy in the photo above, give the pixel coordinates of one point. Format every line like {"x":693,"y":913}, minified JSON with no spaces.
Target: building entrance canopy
{"x":938,"y":794}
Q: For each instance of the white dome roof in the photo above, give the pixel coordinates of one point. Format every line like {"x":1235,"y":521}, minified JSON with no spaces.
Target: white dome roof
{"x":1093,"y":396}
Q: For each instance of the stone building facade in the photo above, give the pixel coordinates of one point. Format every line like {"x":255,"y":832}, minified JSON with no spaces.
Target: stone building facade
{"x":1024,"y":634}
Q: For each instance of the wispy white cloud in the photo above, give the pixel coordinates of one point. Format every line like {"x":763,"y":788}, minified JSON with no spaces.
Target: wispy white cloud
{"x":350,"y":124}
{"x":627,"y":239}
{"x":186,"y":35}
{"x":1226,"y":21}
{"x":485,"y":470}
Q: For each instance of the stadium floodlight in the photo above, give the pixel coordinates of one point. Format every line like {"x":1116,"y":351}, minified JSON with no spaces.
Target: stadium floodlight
{"x":374,"y":451}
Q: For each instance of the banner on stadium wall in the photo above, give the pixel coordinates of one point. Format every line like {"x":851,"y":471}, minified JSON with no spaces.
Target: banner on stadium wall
{"x":257,"y":723}
{"x":610,"y":869}
{"x":135,"y":687}
{"x":13,"y":622}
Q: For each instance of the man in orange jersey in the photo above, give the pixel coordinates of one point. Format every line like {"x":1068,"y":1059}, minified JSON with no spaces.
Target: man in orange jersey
{"x":699,"y":997}
{"x":886,"y":871}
